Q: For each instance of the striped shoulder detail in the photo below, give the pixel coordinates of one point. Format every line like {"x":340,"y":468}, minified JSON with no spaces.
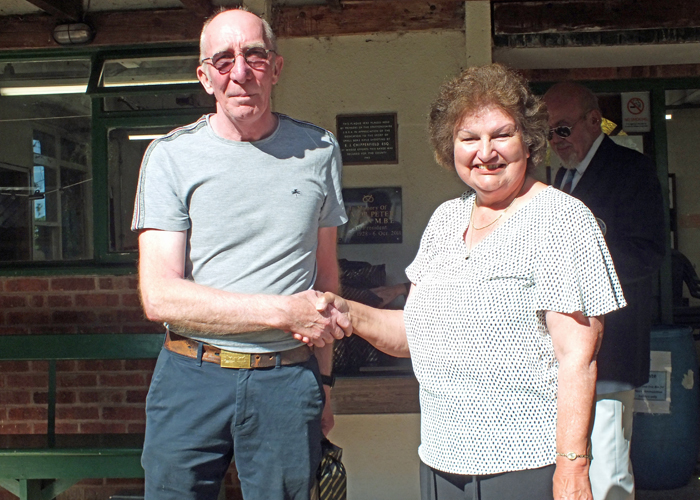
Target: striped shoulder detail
{"x":305,"y":124}
{"x":190,"y":128}
{"x":138,"y":217}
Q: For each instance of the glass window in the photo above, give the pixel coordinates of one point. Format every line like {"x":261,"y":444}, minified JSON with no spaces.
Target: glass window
{"x":149,"y":71}
{"x":45,"y":175}
{"x":193,"y":100}
{"x":44,"y":77}
{"x":682,"y":122}
{"x":126,"y":147}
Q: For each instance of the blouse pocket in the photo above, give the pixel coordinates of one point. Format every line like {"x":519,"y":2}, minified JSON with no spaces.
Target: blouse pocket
{"x":524,"y":281}
{"x":509,"y":294}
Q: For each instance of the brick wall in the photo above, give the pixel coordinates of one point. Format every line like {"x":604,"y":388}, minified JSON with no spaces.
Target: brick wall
{"x":92,"y":396}
{"x":74,"y":304}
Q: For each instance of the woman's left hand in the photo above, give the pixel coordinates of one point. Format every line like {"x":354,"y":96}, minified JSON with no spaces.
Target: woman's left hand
{"x":571,"y":481}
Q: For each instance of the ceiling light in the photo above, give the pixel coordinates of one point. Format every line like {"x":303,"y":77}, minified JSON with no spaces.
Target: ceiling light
{"x":669,"y":116}
{"x":170,"y":81}
{"x":144,"y":137}
{"x":49,"y":90}
{"x":72,"y":34}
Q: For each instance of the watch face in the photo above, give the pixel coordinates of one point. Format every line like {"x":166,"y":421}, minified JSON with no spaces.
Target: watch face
{"x":571,"y":455}
{"x":603,"y":226}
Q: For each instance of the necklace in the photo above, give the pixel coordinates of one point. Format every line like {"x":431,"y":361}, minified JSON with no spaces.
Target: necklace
{"x":471,"y":224}
{"x":471,"y":218}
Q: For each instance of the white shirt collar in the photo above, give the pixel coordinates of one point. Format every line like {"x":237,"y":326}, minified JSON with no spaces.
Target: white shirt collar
{"x":581,"y":167}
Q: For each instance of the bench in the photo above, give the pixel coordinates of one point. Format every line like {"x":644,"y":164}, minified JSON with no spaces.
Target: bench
{"x":40,"y":467}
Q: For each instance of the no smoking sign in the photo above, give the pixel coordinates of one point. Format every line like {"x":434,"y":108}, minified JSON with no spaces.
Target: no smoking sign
{"x":635,"y":112}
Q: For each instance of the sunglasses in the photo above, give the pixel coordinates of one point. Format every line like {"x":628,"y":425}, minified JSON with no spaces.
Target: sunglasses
{"x":563,"y":131}
{"x":255,"y":57}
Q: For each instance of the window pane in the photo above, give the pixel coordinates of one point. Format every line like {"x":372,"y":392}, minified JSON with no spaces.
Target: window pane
{"x":150,"y":71}
{"x":43,"y":77}
{"x":15,"y":236}
{"x":75,"y":188}
{"x":126,"y":148}
{"x":194,"y":100}
{"x":45,"y":148}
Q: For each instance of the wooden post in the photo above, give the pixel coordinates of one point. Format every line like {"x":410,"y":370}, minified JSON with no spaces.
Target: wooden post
{"x":477,"y":22}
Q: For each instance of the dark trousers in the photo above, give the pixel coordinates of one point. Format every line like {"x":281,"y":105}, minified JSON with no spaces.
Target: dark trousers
{"x":200,"y":416}
{"x":530,"y":484}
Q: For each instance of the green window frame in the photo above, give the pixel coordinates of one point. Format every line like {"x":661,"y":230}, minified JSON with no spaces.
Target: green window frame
{"x":103,"y":260}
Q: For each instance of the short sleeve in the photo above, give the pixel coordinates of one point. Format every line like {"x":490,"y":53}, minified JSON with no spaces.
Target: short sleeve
{"x":573,"y":269}
{"x":158,"y":203}
{"x":333,"y":210}
{"x":436,"y":229}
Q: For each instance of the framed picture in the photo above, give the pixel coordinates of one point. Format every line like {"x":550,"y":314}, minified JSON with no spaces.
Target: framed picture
{"x":374,"y":215}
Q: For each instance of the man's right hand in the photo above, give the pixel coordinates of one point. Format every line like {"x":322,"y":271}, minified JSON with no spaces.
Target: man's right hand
{"x":313,"y":325}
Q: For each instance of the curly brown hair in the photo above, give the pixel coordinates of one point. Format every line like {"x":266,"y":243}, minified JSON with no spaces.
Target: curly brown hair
{"x":477,"y":88}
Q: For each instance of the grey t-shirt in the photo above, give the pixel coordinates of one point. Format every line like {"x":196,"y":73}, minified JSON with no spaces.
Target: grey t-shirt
{"x":251,"y":210}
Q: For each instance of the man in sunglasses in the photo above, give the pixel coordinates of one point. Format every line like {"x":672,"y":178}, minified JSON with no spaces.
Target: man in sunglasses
{"x":237,"y":215}
{"x":620,"y":187}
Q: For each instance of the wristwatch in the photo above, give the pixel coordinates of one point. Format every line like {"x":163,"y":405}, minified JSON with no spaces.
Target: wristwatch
{"x":328,"y":380}
{"x":573,"y":456}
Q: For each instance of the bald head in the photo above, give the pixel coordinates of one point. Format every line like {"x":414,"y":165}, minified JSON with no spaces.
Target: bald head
{"x":573,"y":106}
{"x":234,"y":15}
{"x":570,"y":91}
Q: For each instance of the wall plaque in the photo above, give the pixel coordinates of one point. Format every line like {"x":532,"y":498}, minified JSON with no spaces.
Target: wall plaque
{"x":374,"y":215}
{"x":366,"y":139}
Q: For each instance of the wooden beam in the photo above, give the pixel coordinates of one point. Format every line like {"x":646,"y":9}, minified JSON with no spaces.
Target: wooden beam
{"x":180,"y":25}
{"x":154,"y":26}
{"x":522,"y":17}
{"x":368,"y":16}
{"x":71,"y":10}
{"x":201,"y":8}
{"x":111,"y":28}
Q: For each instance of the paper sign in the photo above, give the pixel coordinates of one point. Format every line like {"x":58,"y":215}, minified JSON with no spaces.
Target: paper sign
{"x":655,"y":396}
{"x":635,"y":112}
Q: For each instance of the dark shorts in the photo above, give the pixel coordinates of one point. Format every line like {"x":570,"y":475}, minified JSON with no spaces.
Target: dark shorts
{"x":200,"y":416}
{"x":531,"y":484}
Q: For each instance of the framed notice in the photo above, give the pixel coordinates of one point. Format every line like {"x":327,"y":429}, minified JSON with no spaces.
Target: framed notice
{"x":367,"y":139}
{"x":374,"y":216}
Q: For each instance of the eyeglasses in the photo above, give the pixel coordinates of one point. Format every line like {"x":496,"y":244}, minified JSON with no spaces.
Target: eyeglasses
{"x":255,"y":57}
{"x":563,"y":131}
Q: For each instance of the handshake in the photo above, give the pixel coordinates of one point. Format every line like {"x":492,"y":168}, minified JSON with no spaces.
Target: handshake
{"x":317,"y":318}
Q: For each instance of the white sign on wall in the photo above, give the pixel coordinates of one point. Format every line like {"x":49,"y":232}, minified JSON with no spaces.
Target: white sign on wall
{"x":635,"y":112}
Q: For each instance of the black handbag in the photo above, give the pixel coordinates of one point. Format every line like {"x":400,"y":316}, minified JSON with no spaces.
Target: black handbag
{"x":331,"y":477}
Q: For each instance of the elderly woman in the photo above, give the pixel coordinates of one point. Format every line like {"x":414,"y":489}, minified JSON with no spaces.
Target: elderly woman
{"x":504,"y":317}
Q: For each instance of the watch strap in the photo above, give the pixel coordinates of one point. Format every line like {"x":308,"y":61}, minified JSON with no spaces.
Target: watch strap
{"x":328,"y":380}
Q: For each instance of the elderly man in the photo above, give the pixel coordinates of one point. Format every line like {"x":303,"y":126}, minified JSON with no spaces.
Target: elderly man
{"x":620,"y":187}
{"x":237,"y":215}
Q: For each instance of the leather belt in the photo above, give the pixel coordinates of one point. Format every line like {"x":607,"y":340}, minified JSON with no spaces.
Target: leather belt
{"x":228,"y":359}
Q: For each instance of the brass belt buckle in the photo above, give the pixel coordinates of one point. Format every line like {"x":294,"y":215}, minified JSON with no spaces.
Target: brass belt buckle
{"x":234,"y":359}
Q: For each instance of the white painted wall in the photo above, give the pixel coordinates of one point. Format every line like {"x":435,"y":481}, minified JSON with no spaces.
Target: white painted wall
{"x":599,"y":57}
{"x":380,"y":454}
{"x":394,"y":73}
